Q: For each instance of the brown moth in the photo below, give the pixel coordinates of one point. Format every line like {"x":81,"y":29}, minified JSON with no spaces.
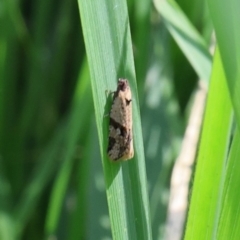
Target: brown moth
{"x":120,"y":141}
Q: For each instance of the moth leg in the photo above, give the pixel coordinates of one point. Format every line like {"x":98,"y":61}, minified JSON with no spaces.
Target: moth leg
{"x":108,"y":92}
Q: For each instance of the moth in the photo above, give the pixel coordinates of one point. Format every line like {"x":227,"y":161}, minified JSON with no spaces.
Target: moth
{"x":120,"y":140}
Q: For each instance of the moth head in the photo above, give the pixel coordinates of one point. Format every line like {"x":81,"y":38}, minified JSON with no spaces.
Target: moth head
{"x":122,"y":84}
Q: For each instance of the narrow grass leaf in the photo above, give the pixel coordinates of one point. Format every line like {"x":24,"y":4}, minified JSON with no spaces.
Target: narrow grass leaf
{"x":41,"y":176}
{"x":229,"y":224}
{"x":76,"y":125}
{"x":208,"y":184}
{"x":226,"y":18}
{"x":109,"y":51}
{"x":189,"y":40}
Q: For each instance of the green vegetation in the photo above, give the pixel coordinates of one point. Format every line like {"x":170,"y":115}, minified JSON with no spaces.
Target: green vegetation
{"x":57,"y":59}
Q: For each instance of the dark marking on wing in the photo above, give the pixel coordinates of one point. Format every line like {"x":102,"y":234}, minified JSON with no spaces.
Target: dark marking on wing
{"x":128,"y":101}
{"x":117,"y":125}
{"x":111,"y":143}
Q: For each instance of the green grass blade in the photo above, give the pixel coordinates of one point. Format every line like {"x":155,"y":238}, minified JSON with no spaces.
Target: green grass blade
{"x":187,"y":37}
{"x":77,"y":127}
{"x":41,"y":176}
{"x":226,"y":19}
{"x":6,"y":226}
{"x":207,"y":188}
{"x":95,"y":223}
{"x":109,"y":51}
{"x":140,"y":38}
{"x":229,"y":224}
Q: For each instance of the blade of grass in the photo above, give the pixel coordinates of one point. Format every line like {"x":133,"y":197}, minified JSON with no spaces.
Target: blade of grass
{"x":226,"y":19}
{"x":76,"y":128}
{"x":3,"y":50}
{"x":79,"y":226}
{"x":187,"y":37}
{"x":229,"y":223}
{"x":18,"y":20}
{"x":140,"y":38}
{"x":9,"y":103}
{"x":6,"y":226}
{"x":207,"y":188}
{"x":109,"y":51}
{"x":42,"y":174}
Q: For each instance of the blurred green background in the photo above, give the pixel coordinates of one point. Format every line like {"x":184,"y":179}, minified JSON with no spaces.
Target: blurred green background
{"x":51,"y":178}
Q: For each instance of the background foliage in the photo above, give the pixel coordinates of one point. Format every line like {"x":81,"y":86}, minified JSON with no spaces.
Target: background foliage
{"x":54,"y":69}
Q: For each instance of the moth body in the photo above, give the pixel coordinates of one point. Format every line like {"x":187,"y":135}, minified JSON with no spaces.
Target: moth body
{"x":120,"y":141}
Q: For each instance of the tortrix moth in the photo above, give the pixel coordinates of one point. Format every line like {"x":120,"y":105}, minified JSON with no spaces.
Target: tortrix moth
{"x":120,"y":142}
